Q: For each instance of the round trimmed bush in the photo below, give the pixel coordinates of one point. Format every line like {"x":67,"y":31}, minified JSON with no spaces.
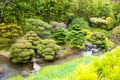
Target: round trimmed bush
{"x":48,"y":49}
{"x":21,"y":52}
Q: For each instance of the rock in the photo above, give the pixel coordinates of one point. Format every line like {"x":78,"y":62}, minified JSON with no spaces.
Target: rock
{"x":86,"y":49}
{"x":89,"y":45}
{"x":36,"y":67}
{"x":33,"y":71}
{"x":24,"y":74}
{"x":94,"y":46}
{"x":94,"y":50}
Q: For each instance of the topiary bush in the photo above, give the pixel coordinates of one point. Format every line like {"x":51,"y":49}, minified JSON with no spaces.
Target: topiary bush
{"x":110,"y":23}
{"x":75,"y":39}
{"x":32,"y":37}
{"x":98,"y":22}
{"x":78,"y":24}
{"x":57,"y":25}
{"x":59,"y":36}
{"x":115,"y":35}
{"x":48,"y":49}
{"x":38,"y":26}
{"x":21,"y":52}
{"x":87,"y":33}
{"x":8,"y":33}
{"x":101,"y":41}
{"x":106,"y":23}
{"x":104,"y":31}
{"x":118,"y":20}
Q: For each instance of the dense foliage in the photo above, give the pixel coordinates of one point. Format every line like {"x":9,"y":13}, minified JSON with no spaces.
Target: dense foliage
{"x":78,"y":24}
{"x":107,"y":23}
{"x":46,"y":24}
{"x":48,"y":10}
{"x":40,"y":27}
{"x":8,"y":33}
{"x":24,"y":49}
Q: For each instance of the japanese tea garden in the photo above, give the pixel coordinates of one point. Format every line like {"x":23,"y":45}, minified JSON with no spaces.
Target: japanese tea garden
{"x":59,"y":39}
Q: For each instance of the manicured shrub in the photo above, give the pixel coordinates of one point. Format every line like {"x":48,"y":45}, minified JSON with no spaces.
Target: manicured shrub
{"x":38,"y":26}
{"x":48,"y":49}
{"x":59,"y":36}
{"x":8,"y":33}
{"x":97,"y":22}
{"x":21,"y":52}
{"x":118,"y":20}
{"x":104,"y":31}
{"x":87,"y":33}
{"x":78,"y":24}
{"x":32,"y":37}
{"x":107,"y":23}
{"x":98,"y":39}
{"x":101,"y":41}
{"x":57,"y":25}
{"x":110,"y":23}
{"x":75,"y":39}
{"x":115,"y":35}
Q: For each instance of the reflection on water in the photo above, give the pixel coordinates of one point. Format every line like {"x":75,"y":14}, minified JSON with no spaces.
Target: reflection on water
{"x":11,"y":69}
{"x":8,"y":72}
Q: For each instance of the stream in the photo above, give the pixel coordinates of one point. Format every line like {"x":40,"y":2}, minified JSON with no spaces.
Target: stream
{"x":14,"y":69}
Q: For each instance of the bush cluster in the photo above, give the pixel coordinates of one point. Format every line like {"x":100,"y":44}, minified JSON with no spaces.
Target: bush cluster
{"x":8,"y":33}
{"x":59,"y":36}
{"x":107,"y":23}
{"x":57,"y":25}
{"x":40,"y":27}
{"x":101,"y":41}
{"x":32,"y":37}
{"x":78,"y":24}
{"x":115,"y":35}
{"x":21,"y":52}
{"x":75,"y":39}
{"x":48,"y":49}
{"x":30,"y":46}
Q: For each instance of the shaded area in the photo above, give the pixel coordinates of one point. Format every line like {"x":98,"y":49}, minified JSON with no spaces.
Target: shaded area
{"x":11,"y":69}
